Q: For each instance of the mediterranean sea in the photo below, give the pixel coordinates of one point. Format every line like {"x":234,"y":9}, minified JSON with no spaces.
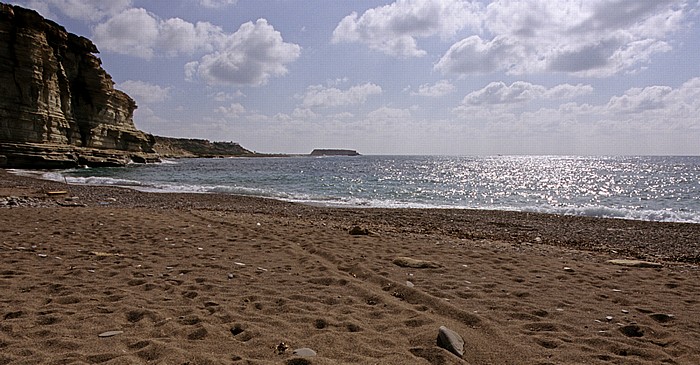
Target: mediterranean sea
{"x":640,"y":188}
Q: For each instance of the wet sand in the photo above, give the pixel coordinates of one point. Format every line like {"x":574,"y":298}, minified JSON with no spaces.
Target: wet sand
{"x":219,"y":279}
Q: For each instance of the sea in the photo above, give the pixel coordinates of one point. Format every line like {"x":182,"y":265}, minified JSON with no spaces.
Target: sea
{"x":640,"y":188}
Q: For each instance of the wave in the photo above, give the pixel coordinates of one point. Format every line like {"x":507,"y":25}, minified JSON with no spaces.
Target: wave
{"x":596,"y":211}
{"x":619,"y":213}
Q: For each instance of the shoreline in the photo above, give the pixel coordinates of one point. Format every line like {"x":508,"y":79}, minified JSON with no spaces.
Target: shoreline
{"x":115,"y":276}
{"x":581,"y":211}
{"x":665,"y":241}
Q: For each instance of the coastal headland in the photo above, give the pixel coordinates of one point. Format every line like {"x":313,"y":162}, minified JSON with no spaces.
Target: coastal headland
{"x":109,"y":275}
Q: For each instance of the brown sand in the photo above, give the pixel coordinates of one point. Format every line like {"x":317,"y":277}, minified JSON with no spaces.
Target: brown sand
{"x":210,"y":279}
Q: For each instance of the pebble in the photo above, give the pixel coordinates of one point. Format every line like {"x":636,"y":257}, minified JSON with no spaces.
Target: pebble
{"x":415,"y":263}
{"x":568,"y":269}
{"x":450,"y":341}
{"x":304,"y":352}
{"x":109,"y":334}
{"x":409,"y":284}
{"x":609,"y":318}
{"x":635,"y":263}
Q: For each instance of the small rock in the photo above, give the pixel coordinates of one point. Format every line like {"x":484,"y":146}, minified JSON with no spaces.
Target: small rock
{"x":450,"y":341}
{"x":358,"y":231}
{"x":415,"y":263}
{"x":281,"y":348}
{"x":304,"y":352}
{"x":568,"y":269}
{"x":635,"y":263}
{"x":625,"y":311}
{"x":409,"y":284}
{"x":109,"y":334}
{"x":609,"y":318}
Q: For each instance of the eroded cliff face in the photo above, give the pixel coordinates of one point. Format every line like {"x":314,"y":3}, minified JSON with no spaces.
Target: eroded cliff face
{"x":58,"y":107}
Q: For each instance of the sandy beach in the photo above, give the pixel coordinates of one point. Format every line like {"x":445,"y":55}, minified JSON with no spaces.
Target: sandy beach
{"x":103,"y":275}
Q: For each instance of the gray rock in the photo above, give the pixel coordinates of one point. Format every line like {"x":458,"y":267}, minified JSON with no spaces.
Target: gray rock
{"x":450,"y":341}
{"x":415,"y":263}
{"x":109,"y":334}
{"x":304,"y":352}
{"x":635,"y":263}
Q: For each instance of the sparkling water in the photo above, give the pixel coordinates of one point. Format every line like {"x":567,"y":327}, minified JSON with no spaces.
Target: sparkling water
{"x":643,"y":188}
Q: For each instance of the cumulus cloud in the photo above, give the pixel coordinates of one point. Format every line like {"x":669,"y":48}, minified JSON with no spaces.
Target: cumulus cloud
{"x":652,"y":109}
{"x":519,"y":92}
{"x":139,"y":33}
{"x":320,"y":96}
{"x":144,"y":92}
{"x":133,"y":31}
{"x":233,"y":110}
{"x":250,"y":56}
{"x":393,"y":28}
{"x":440,"y":88}
{"x":386,"y":113}
{"x":593,"y":38}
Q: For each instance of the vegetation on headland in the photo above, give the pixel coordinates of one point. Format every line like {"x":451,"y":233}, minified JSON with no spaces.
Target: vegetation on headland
{"x":168,"y":147}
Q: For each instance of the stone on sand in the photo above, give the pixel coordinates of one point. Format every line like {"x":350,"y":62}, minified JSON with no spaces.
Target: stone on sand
{"x":415,"y":263}
{"x":358,"y":231}
{"x":634,"y":263}
{"x":109,"y":334}
{"x":304,"y":352}
{"x":450,"y":341}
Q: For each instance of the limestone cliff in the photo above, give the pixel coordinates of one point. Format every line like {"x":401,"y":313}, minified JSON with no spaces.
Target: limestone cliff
{"x":58,"y":107}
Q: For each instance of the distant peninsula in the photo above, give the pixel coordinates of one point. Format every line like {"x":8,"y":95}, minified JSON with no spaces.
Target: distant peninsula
{"x":334,"y":152}
{"x":168,"y":147}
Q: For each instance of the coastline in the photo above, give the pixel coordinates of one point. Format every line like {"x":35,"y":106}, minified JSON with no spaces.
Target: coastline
{"x":224,"y":279}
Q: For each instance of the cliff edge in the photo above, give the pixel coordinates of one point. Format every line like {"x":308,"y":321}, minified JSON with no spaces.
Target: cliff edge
{"x":58,"y":107}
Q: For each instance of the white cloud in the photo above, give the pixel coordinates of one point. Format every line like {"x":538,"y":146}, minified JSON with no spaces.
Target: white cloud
{"x":139,"y":33}
{"x":250,"y":56}
{"x":303,"y":114}
{"x":519,"y":92}
{"x":144,"y":92}
{"x":393,"y":28}
{"x":224,"y":96}
{"x":586,"y":38}
{"x":653,"y":109}
{"x":233,"y":110}
{"x":133,"y":31}
{"x":440,"y":88}
{"x":386,"y":113}
{"x":217,"y":3}
{"x":320,"y":96}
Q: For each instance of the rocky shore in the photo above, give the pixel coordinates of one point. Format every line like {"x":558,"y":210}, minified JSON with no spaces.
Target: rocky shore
{"x":113,"y":276}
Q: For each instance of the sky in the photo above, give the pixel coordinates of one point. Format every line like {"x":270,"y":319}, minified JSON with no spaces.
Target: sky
{"x":418,"y":77}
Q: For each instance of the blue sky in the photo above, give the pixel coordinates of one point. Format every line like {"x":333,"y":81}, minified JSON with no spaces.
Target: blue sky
{"x":405,"y":77}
